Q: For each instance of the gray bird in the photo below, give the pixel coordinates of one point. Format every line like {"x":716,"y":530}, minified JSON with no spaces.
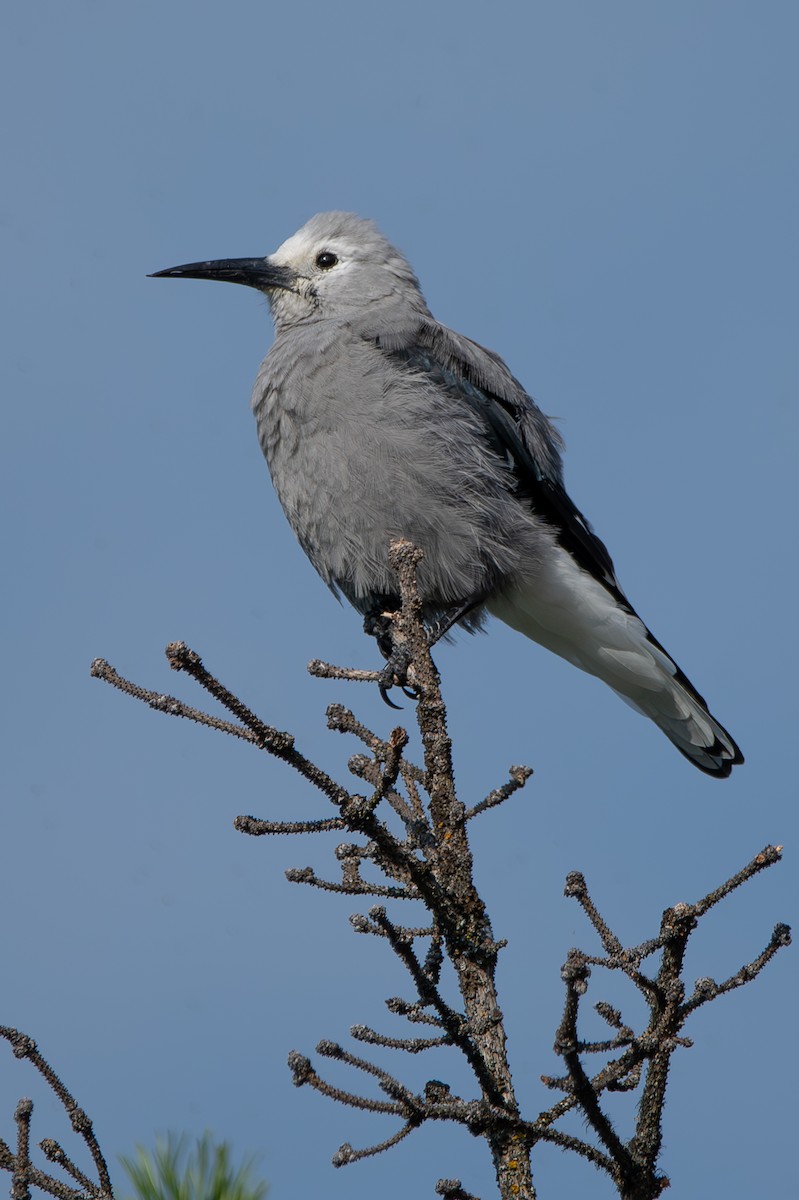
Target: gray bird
{"x":377,"y":423}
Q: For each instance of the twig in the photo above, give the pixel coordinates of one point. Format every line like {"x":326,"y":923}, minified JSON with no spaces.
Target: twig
{"x":24,"y":1173}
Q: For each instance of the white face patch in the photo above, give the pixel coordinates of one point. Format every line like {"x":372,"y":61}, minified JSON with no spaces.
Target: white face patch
{"x":301,"y":250}
{"x":315,"y":283}
{"x":364,"y":269}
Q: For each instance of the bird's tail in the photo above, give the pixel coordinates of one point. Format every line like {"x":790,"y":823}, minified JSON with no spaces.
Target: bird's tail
{"x":684,"y":717}
{"x":573,"y":615}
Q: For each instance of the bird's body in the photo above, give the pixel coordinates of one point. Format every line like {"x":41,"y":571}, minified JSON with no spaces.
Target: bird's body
{"x":353,"y":472}
{"x":377,"y":423}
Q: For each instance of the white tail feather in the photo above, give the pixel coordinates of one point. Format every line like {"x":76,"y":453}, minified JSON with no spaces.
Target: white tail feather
{"x":574,"y":615}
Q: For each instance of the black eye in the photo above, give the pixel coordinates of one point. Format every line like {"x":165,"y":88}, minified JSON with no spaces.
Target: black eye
{"x":326,"y":260}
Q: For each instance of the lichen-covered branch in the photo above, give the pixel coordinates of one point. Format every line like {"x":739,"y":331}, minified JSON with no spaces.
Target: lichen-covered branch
{"x":24,"y":1173}
{"x":408,"y":844}
{"x":646,"y":1056}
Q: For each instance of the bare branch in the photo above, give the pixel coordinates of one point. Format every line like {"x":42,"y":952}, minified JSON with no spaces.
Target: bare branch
{"x":707,"y":989}
{"x":575,"y":973}
{"x":22,"y":1165}
{"x":24,"y":1173}
{"x":767,"y":857}
{"x":351,"y":888}
{"x":257,"y":828}
{"x":323,"y":670}
{"x":429,"y":861}
{"x":101,"y":669}
{"x":252,"y":729}
{"x":576,"y":888}
{"x":55,"y":1153}
{"x":518,"y":778}
{"x":303,"y":1073}
{"x":363,"y":1033}
{"x":346,"y":1155}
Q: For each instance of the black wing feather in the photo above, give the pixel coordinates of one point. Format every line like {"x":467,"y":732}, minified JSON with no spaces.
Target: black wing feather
{"x":501,"y":420}
{"x":501,"y":416}
{"x":502,"y":410}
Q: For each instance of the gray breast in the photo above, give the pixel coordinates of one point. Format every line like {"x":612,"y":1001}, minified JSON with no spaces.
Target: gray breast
{"x":362,"y":451}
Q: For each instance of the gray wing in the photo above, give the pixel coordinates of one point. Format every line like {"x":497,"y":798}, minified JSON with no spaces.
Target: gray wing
{"x":520,"y":433}
{"x":518,"y":430}
{"x":515,"y":428}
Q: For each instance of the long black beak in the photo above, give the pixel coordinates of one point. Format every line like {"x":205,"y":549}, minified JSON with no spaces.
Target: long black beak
{"x":253,"y":272}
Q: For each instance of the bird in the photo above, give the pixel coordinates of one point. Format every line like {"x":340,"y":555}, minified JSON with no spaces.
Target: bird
{"x":379,"y":423}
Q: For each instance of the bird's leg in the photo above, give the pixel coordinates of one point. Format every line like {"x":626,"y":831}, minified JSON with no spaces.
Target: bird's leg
{"x":379,"y":625}
{"x":436,"y":630}
{"x":441,"y":626}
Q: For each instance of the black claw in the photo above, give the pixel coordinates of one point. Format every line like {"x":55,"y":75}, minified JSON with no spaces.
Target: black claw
{"x":384,"y":696}
{"x":377,"y":625}
{"x":395,"y":672}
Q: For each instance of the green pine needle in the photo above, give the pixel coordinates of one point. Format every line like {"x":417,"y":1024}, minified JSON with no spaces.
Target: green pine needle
{"x":176,"y":1170}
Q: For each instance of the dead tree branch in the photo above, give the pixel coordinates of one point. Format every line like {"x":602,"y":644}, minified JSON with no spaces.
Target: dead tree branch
{"x":24,"y":1174}
{"x":411,"y":845}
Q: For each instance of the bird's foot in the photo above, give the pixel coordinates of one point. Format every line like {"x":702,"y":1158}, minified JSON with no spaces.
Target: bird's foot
{"x":380,"y":626}
{"x":395,"y":674}
{"x":397,"y":655}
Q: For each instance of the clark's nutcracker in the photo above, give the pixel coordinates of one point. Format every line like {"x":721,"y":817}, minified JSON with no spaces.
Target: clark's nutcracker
{"x":378,"y":423}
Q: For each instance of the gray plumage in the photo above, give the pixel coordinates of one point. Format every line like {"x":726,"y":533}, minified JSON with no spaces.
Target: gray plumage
{"x":377,"y":422}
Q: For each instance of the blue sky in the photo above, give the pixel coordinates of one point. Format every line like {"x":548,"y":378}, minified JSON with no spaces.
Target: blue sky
{"x":606,"y":195}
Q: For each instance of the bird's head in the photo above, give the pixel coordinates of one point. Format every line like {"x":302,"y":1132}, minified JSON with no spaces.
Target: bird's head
{"x":337,"y":266}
